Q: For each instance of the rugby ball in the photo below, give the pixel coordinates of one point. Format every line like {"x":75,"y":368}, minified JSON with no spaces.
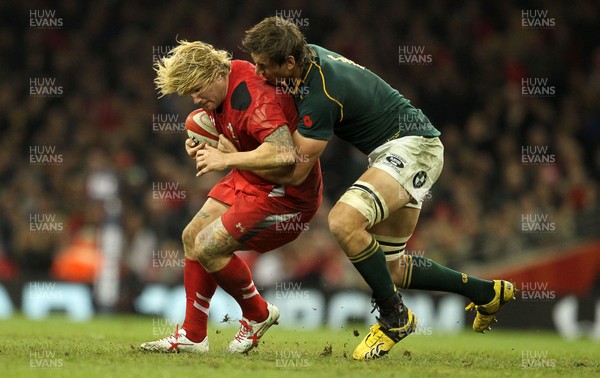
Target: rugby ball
{"x":201,"y":129}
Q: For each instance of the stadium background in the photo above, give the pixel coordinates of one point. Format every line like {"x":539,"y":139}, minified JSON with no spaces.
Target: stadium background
{"x":96,"y":187}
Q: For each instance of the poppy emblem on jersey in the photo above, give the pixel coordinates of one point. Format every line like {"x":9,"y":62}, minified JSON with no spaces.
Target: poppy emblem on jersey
{"x":307,"y":121}
{"x":419,"y":179}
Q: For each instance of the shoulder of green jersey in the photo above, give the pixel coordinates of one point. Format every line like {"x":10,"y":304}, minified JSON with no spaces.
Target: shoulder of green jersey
{"x":326,"y":93}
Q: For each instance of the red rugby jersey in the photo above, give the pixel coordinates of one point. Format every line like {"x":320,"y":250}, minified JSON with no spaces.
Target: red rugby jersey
{"x":251,"y":111}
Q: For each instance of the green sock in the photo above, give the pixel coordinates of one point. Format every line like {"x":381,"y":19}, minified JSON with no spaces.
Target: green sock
{"x":425,"y":274}
{"x":371,"y":265}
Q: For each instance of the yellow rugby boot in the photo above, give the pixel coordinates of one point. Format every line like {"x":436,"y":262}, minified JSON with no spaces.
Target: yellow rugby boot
{"x":394,"y":325}
{"x":486,"y":314}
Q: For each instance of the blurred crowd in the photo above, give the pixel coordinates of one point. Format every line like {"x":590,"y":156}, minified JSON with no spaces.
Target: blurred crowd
{"x":86,"y":142}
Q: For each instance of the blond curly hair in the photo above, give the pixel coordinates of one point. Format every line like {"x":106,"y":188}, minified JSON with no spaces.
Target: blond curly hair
{"x":190,"y":67}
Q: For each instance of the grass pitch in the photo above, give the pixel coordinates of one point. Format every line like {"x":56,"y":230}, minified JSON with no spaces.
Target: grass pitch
{"x":109,"y":347}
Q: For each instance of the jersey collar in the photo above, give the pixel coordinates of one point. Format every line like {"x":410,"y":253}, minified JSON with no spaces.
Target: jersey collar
{"x":301,"y":81}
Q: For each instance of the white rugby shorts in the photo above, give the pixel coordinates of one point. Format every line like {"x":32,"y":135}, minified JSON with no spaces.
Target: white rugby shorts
{"x":414,"y":161}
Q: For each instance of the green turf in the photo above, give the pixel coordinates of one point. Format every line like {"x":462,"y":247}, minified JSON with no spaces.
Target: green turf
{"x":108,"y":347}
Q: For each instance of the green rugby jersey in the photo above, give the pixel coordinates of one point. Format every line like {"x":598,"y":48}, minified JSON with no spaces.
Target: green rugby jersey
{"x":338,"y":96}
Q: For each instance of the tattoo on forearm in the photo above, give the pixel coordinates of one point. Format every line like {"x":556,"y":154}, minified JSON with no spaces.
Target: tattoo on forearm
{"x":281,"y":138}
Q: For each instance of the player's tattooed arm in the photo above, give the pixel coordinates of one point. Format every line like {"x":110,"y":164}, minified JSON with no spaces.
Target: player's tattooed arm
{"x":277,"y":150}
{"x":281,"y":138}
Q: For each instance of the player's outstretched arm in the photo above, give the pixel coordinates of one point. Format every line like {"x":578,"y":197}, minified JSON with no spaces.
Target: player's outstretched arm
{"x":277,"y":150}
{"x":273,"y":174}
{"x":308,"y":152}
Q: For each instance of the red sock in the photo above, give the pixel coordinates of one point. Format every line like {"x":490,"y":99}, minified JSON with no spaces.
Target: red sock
{"x":235,"y":278}
{"x":199,"y":289}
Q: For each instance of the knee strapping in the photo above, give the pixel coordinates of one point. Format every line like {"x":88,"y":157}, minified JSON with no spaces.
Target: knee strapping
{"x":367,"y":200}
